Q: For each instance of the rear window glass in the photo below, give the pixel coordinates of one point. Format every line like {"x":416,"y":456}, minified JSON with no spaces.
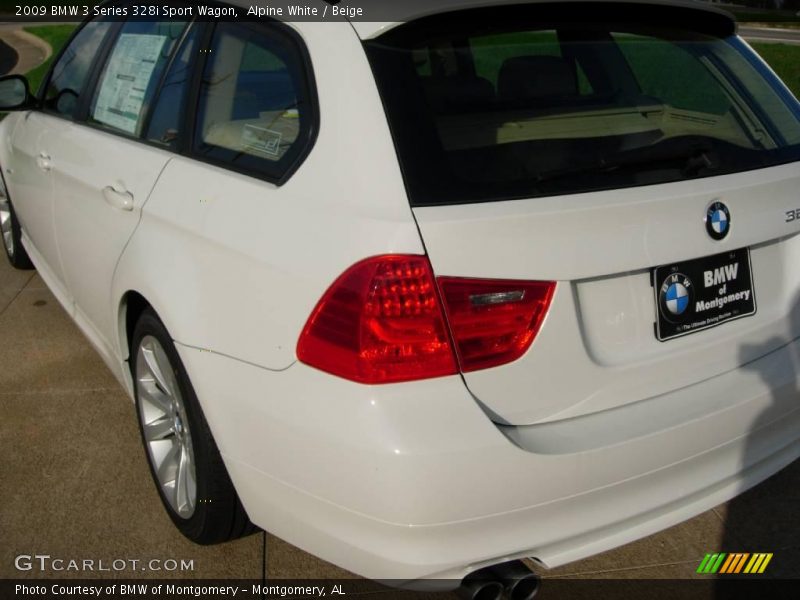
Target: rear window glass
{"x":506,"y":110}
{"x":491,"y":52}
{"x":681,"y":80}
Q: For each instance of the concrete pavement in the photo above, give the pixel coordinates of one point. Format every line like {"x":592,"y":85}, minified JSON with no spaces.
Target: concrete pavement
{"x":31,"y":50}
{"x":770,"y":34}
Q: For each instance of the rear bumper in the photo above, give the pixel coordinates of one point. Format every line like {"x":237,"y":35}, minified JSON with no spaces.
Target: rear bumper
{"x":413,"y":481}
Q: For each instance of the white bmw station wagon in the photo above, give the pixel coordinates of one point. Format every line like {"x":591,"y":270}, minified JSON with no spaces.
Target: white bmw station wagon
{"x":423,"y":296}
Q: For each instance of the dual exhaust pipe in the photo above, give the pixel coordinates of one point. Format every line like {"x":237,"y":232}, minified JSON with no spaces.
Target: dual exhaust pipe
{"x":512,"y":579}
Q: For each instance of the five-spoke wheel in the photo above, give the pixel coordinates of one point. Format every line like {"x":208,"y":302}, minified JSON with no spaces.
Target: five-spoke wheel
{"x":165,"y":425}
{"x":12,"y":235}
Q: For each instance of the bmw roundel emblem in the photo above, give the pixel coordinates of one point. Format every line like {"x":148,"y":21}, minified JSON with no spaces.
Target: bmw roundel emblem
{"x":676,"y":296}
{"x":718,"y":220}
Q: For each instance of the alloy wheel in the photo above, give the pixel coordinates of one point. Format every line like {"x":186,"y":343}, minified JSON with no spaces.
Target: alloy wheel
{"x":165,"y":426}
{"x":5,"y":225}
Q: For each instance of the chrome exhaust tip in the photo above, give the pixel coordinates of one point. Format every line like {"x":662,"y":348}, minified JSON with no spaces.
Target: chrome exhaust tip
{"x":519,"y":582}
{"x":479,"y":586}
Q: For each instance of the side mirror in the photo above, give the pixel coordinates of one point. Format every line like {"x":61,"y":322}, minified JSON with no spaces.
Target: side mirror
{"x":15,"y":93}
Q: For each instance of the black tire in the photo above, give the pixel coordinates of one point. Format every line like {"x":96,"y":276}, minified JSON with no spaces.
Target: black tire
{"x":218,"y":514}
{"x":16,"y":254}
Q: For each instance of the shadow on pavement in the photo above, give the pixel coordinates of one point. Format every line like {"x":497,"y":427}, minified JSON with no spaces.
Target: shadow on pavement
{"x":764,"y":519}
{"x":8,"y":58}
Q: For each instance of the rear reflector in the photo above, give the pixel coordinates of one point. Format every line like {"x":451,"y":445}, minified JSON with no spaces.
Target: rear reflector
{"x":380,"y":322}
{"x":494,"y":321}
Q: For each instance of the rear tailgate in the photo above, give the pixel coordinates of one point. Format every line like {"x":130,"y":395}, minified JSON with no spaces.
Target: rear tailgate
{"x":642,"y":157}
{"x":598,"y":347}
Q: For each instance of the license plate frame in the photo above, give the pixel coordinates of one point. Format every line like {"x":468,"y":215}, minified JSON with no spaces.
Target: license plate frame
{"x":702,"y":293}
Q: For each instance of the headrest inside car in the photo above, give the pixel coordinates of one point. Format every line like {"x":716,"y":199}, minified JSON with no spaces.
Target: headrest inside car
{"x":535,"y":77}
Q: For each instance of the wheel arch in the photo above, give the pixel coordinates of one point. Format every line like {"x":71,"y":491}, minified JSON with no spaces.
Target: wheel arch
{"x":131,"y":306}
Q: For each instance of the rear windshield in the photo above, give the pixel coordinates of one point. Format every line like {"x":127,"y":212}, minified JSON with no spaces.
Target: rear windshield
{"x":541,"y":102}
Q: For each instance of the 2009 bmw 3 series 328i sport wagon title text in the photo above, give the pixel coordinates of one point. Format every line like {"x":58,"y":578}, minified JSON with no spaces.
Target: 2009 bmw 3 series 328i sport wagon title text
{"x":490,"y":281}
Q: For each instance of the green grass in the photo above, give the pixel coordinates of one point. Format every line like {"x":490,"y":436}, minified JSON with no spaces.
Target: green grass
{"x":784,"y":60}
{"x":749,"y":15}
{"x":56,"y":36}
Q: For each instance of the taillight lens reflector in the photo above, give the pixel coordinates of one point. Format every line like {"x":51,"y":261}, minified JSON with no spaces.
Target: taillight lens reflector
{"x":493,"y":321}
{"x":380,"y":322}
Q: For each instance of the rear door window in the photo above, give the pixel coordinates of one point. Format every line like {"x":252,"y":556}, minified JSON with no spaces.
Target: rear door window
{"x":256,"y":108}
{"x":168,"y":114}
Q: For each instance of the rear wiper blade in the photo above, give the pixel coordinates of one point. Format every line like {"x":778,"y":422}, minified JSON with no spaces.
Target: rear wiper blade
{"x":690,"y":158}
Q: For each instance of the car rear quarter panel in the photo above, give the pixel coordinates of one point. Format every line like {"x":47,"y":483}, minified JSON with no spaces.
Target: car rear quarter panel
{"x":234,"y":264}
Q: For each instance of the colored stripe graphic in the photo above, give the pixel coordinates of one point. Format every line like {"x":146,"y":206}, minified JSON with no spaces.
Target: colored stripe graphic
{"x":734,"y":563}
{"x":727,"y":564}
{"x":765,"y":563}
{"x":755,"y":562}
{"x":718,"y":562}
{"x":758,"y":563}
{"x":703,"y":563}
{"x":741,"y":563}
{"x":737,"y":561}
{"x":711,"y":563}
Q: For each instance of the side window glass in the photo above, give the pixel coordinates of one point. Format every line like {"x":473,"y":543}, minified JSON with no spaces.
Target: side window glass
{"x":254,"y":107}
{"x":133,"y":72}
{"x":168,"y":112}
{"x":70,"y":73}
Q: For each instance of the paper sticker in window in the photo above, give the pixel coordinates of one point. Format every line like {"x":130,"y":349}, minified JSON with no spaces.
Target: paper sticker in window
{"x":127,"y":76}
{"x":261,"y":140}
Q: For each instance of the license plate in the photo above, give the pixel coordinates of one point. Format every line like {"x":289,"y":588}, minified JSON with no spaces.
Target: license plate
{"x":703,"y":293}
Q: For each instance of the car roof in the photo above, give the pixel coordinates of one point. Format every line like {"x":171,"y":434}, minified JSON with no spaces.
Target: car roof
{"x":408,"y":10}
{"x":381,"y":16}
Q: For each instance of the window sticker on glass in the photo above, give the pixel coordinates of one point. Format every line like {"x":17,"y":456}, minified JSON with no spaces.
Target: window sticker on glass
{"x":260,"y":139}
{"x":122,"y":92}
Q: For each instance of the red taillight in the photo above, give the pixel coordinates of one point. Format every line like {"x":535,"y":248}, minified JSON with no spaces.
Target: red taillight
{"x":494,"y":321}
{"x":381,"y":321}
